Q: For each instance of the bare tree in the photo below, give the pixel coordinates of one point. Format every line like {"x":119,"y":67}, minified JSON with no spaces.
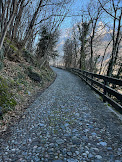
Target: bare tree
{"x":8,"y":21}
{"x":103,"y":57}
{"x":115,"y":14}
{"x":68,"y":53}
{"x":94,"y":12}
{"x":32,"y":22}
{"x":83,"y":31}
{"x":21,"y":5}
{"x":75,"y":42}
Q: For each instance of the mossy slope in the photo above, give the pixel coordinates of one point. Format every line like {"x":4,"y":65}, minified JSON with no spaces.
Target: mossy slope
{"x":17,"y":88}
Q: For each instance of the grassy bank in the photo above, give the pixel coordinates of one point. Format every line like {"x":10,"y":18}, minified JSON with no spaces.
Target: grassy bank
{"x":20,"y":83}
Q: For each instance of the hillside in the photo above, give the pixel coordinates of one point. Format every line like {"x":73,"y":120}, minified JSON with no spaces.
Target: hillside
{"x":21,"y":81}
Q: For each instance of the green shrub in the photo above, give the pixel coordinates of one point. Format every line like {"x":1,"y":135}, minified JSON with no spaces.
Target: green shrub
{"x":7,"y":102}
{"x":1,"y":58}
{"x":34,"y":76}
{"x":7,"y":40}
{"x":13,"y":84}
{"x":20,"y":76}
{"x":2,"y":54}
{"x":30,"y":68}
{"x":28,"y":56}
{"x":1,"y":65}
{"x":13,"y":47}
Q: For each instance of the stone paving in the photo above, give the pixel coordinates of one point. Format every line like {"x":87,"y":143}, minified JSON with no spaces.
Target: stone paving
{"x":67,"y":123}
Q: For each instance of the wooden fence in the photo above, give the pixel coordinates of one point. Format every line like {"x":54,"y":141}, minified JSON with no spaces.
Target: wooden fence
{"x":105,"y":86}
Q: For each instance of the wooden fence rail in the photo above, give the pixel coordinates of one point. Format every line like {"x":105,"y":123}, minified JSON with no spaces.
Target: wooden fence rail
{"x":103,"y":85}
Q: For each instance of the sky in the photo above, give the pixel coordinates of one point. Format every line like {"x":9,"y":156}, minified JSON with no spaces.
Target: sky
{"x":66,"y":26}
{"x":74,"y":9}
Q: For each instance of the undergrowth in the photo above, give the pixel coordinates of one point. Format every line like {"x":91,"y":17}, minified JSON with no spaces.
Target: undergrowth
{"x":16,"y":83}
{"x":7,"y":102}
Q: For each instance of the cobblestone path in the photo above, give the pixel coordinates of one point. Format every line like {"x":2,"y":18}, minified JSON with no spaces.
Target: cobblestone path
{"x":67,"y":123}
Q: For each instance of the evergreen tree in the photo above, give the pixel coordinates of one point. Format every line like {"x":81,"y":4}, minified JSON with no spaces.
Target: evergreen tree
{"x":43,"y":43}
{"x":46,"y":45}
{"x":83,"y":31}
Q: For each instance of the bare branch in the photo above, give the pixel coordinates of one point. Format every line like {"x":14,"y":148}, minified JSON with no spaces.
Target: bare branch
{"x":107,"y":11}
{"x":43,"y":20}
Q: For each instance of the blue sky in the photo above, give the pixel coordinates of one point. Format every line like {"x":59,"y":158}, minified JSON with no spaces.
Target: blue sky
{"x":74,"y":9}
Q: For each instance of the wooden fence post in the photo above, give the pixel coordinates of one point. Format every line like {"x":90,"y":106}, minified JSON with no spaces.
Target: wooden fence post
{"x":92,"y":80}
{"x":104,"y":92}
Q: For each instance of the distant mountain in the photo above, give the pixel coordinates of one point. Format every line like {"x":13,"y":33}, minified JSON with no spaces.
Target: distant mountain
{"x":106,"y":37}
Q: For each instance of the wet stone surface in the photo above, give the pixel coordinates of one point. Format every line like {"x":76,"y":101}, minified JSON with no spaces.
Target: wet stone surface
{"x":67,"y":123}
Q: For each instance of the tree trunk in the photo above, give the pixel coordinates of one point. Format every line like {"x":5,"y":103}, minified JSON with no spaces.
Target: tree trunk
{"x":30,"y":27}
{"x":104,"y":57}
{"x":17,"y":20}
{"x":91,"y":57}
{"x":116,"y":43}
{"x":119,"y":72}
{"x":80,"y":62}
{"x":7,"y":25}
